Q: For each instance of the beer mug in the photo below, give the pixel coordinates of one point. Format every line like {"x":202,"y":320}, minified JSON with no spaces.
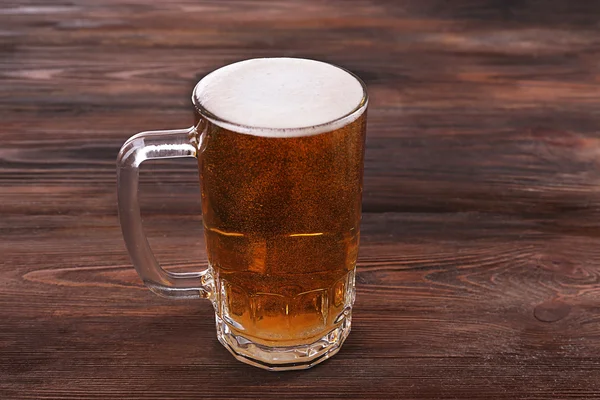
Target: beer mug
{"x":280,"y":150}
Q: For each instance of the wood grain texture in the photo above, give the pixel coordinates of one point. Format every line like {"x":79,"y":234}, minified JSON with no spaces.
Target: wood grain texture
{"x":479,"y":271}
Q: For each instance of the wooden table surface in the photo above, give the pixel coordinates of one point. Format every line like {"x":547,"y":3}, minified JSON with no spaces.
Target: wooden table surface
{"x":479,"y":270}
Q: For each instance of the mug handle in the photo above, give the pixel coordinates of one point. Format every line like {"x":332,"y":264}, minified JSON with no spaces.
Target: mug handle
{"x":144,"y":146}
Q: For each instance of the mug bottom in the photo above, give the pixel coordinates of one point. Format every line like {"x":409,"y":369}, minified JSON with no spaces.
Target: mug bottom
{"x":283,"y":358}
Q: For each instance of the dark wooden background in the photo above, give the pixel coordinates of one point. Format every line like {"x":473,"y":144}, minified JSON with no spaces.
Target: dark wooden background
{"x":479,"y":272}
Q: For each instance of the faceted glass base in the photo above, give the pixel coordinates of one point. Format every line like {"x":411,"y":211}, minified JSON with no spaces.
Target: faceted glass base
{"x":283,"y":358}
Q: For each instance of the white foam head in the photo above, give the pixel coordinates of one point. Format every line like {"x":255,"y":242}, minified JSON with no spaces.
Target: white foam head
{"x":280,"y":97}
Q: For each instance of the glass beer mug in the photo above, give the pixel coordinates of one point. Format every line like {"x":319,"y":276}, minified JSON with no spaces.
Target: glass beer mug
{"x":280,"y":150}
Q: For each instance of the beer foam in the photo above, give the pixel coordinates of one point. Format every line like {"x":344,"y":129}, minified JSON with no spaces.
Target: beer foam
{"x":280,"y":97}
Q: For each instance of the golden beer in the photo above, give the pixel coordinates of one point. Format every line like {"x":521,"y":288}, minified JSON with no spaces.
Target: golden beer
{"x":281,"y":218}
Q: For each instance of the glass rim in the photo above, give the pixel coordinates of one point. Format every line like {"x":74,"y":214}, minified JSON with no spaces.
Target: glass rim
{"x":310,"y":130}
